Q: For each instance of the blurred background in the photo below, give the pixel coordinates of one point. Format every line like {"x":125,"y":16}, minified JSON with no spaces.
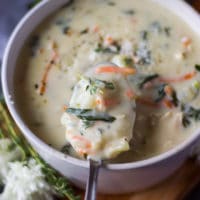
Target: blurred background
{"x":11,"y":11}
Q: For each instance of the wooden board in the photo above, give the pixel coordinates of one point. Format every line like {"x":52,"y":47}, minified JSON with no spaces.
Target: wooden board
{"x":175,"y":187}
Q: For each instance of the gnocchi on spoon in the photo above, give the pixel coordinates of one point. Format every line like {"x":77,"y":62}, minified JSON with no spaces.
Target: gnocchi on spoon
{"x":100,"y":116}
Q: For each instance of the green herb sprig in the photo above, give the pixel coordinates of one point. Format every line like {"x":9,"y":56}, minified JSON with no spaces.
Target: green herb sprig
{"x":59,"y":184}
{"x":96,"y":84}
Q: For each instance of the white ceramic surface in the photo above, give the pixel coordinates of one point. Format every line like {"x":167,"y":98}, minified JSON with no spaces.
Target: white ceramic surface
{"x":113,"y":178}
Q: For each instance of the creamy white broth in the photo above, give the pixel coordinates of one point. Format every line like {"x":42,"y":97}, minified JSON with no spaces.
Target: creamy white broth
{"x":74,"y":32}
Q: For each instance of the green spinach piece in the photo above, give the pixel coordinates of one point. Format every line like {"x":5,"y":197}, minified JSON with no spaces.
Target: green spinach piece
{"x":144,"y":35}
{"x":91,"y":115}
{"x":197,"y":67}
{"x":101,"y":49}
{"x":146,"y":79}
{"x":189,"y":113}
{"x":160,"y":92}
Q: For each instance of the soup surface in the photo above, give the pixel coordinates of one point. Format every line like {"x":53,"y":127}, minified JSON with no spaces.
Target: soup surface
{"x":162,"y":49}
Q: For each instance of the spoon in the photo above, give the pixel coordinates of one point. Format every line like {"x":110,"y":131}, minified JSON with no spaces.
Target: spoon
{"x":91,"y":188}
{"x":114,"y":141}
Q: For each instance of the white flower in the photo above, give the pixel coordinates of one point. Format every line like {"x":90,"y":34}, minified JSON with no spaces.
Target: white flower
{"x":25,"y":182}
{"x":6,"y":155}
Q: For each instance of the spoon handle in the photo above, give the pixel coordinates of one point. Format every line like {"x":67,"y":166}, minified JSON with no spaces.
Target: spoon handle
{"x":91,"y":187}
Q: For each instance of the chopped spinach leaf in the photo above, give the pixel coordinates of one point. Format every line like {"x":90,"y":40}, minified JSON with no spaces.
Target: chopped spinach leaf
{"x":185,"y":121}
{"x":189,"y":113}
{"x":175,"y":100}
{"x":91,"y":115}
{"x":128,"y":61}
{"x":146,"y":79}
{"x":66,"y":149}
{"x":144,"y":35}
{"x":114,"y":48}
{"x":167,"y":31}
{"x":197,"y":67}
{"x":129,"y":12}
{"x":2,"y":186}
{"x":160,"y":93}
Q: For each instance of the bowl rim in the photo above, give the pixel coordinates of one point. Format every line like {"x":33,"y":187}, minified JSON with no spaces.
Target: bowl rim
{"x":59,"y":155}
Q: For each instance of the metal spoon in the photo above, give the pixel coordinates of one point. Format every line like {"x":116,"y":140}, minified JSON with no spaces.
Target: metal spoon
{"x":91,"y":188}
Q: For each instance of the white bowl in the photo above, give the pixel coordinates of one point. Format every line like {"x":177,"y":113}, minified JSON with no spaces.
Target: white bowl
{"x":113,"y":178}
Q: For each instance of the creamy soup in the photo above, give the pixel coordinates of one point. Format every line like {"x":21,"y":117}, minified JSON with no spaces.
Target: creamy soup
{"x":161,"y":49}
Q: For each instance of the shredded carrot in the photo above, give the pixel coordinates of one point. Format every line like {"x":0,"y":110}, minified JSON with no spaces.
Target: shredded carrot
{"x":113,"y":69}
{"x":130,"y":94}
{"x":185,"y":77}
{"x":43,"y":84}
{"x":83,"y":139}
{"x":64,"y":107}
{"x":186,"y":41}
{"x":147,"y":102}
{"x":168,"y":103}
{"x":109,"y":40}
{"x":107,"y":102}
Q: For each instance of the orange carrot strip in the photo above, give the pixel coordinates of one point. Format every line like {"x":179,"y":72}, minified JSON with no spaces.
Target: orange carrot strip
{"x":186,"y":41}
{"x":130,"y":94}
{"x":109,"y":40}
{"x":113,"y":69}
{"x":43,"y":84}
{"x":185,"y":77}
{"x":168,"y":103}
{"x":64,"y":107}
{"x":82,"y":139}
{"x":107,"y":102}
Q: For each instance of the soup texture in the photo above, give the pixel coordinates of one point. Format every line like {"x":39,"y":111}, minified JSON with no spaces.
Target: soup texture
{"x":160,"y":48}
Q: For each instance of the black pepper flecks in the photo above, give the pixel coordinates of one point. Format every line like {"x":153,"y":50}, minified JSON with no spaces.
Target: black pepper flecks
{"x":36,"y":86}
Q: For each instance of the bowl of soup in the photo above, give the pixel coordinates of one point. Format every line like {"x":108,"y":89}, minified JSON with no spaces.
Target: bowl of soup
{"x":58,"y":41}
